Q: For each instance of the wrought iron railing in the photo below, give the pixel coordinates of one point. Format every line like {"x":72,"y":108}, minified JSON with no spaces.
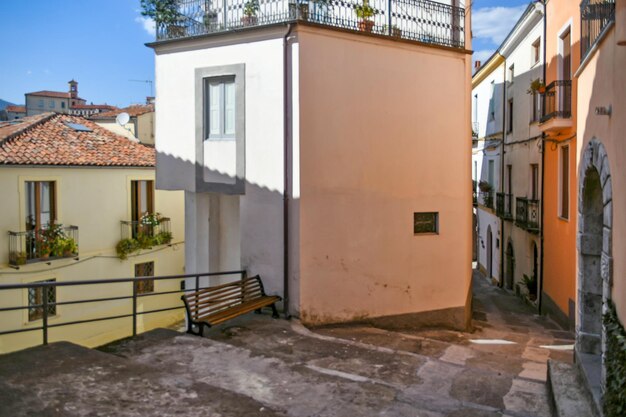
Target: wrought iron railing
{"x":135,"y":229}
{"x":504,"y":203}
{"x":42,"y":245}
{"x":557,"y":100}
{"x":418,"y":20}
{"x":475,"y":127}
{"x":47,"y":307}
{"x":486,"y":198}
{"x":527,"y":214}
{"x":595,"y":16}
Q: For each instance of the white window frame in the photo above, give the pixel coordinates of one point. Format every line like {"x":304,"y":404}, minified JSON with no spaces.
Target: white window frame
{"x":221,"y":83}
{"x":535,"y":51}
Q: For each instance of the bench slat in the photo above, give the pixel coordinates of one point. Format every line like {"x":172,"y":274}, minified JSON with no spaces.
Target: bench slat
{"x":232,"y":313}
{"x":195,"y":299}
{"x":234,"y":299}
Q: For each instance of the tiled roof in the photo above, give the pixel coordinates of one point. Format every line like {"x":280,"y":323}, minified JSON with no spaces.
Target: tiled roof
{"x":56,"y":94}
{"x":133,"y":111}
{"x":16,"y":109}
{"x":94,"y":106}
{"x":46,"y":139}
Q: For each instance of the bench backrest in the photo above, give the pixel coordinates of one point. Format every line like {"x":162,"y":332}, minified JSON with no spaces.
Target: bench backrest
{"x":220,"y":297}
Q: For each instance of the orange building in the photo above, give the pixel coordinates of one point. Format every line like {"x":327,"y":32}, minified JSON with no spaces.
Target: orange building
{"x":558,"y":123}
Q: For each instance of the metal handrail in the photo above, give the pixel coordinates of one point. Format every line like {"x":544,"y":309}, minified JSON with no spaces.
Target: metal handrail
{"x":46,"y":285}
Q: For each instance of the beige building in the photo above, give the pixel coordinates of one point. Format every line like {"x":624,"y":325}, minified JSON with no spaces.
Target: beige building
{"x":140,"y":124}
{"x":94,"y":188}
{"x":45,"y":101}
{"x":15,"y":112}
{"x":338,"y":183}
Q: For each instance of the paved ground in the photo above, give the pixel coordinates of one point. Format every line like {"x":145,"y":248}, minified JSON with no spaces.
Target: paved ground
{"x":256,"y":366}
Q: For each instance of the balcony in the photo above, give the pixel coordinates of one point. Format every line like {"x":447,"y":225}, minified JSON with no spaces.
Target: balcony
{"x":151,"y":230}
{"x":417,"y":20}
{"x":595,"y":17}
{"x":504,"y":203}
{"x":486,"y":199}
{"x":43,"y":245}
{"x":527,"y":214}
{"x":557,"y":106}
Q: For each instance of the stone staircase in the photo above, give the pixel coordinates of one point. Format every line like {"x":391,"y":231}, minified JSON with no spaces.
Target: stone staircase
{"x":569,"y":395}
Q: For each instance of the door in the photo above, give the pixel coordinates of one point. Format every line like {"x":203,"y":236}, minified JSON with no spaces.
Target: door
{"x":510,"y":266}
{"x":40,"y":204}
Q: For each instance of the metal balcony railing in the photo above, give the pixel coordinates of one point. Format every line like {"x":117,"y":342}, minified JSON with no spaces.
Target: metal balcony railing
{"x":138,"y":229}
{"x":595,"y":16}
{"x":42,"y":245}
{"x":527,"y":214}
{"x":504,"y":203}
{"x":486,"y":199}
{"x":557,"y":100}
{"x":417,"y":20}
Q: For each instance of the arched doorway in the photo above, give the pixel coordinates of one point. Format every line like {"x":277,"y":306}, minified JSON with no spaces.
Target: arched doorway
{"x":594,"y":252}
{"x":510,"y":266}
{"x":489,"y":253}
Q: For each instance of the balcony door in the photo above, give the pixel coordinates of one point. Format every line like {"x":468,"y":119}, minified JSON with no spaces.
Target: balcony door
{"x":40,"y":204}
{"x":142,"y":198}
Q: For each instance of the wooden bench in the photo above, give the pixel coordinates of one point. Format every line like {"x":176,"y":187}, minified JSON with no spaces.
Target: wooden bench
{"x":214,"y":305}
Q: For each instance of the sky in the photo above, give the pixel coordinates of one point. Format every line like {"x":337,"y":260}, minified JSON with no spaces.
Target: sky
{"x":101,"y":44}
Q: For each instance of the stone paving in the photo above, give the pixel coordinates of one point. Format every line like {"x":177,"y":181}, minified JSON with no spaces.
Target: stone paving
{"x":257,"y":366}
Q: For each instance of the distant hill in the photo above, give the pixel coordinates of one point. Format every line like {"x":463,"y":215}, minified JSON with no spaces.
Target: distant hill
{"x":3,"y":104}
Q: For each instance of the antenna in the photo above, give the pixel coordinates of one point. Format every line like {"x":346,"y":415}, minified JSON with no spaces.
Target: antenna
{"x":145,"y":81}
{"x":122,"y":119}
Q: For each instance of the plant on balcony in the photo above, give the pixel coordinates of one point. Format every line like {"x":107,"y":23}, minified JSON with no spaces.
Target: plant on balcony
{"x":210,"y":19}
{"x":57,"y":243}
{"x":164,"y":13}
{"x":536,"y":86}
{"x":484,"y":186}
{"x":21,"y":258}
{"x":395,"y":31}
{"x":42,"y":247}
{"x":125,"y":247}
{"x":250,"y":9}
{"x":364,"y":12}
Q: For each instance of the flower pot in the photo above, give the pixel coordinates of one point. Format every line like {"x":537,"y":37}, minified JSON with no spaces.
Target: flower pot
{"x":366,"y":25}
{"x":249,"y":20}
{"x":44,"y":255}
{"x":304,"y":11}
{"x":68,"y":254}
{"x":175,"y":31}
{"x":541,"y":90}
{"x":21,"y":260}
{"x":396,"y":32}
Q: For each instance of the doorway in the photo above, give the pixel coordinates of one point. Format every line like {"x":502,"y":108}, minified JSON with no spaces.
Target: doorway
{"x":510,"y":266}
{"x":489,"y":253}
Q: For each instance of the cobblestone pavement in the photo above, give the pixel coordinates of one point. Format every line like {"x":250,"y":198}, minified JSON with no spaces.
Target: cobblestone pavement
{"x":257,"y":366}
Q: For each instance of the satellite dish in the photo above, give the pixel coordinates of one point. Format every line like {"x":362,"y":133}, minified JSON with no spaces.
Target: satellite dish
{"x":122,"y":119}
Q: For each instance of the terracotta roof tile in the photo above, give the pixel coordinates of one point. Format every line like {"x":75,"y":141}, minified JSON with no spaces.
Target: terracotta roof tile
{"x":46,"y":139}
{"x":133,"y":111}
{"x":94,"y":106}
{"x":16,"y":109}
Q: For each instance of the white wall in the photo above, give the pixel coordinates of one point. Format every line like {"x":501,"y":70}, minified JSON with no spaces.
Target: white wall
{"x":490,"y":89}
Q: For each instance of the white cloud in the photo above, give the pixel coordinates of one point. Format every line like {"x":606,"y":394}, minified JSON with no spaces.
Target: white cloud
{"x":147,"y":24}
{"x":494,"y":23}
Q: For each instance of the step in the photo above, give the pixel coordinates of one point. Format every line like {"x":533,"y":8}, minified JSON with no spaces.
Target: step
{"x":568,"y":394}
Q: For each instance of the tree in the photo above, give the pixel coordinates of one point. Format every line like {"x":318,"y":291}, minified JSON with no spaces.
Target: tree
{"x":163,"y":12}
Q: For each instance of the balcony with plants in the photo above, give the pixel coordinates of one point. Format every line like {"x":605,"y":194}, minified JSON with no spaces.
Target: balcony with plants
{"x":54,"y":241}
{"x":151,"y":230}
{"x":416,"y":20}
{"x":486,"y":194}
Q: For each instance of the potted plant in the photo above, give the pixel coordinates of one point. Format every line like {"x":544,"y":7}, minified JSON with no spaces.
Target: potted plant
{"x":250,"y":9}
{"x":42,"y":246}
{"x":165,"y":14}
{"x":70,"y":247}
{"x":531,"y":286}
{"x":210,"y":19}
{"x":364,"y":11}
{"x":395,"y":31}
{"x":125,"y":247}
{"x":484,"y":186}
{"x":20,"y":258}
{"x":536,"y":86}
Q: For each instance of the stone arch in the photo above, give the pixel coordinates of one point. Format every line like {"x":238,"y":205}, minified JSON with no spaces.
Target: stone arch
{"x":595,"y":272}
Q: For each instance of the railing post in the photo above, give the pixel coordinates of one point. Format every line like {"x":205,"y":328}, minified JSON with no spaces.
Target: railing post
{"x":389,"y":17}
{"x":45,"y":314}
{"x":134,"y":308}
{"x":224,"y":14}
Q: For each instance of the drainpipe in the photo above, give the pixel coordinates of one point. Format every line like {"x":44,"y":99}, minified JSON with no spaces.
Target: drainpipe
{"x":543,"y":164}
{"x":501,"y":283}
{"x":286,"y":164}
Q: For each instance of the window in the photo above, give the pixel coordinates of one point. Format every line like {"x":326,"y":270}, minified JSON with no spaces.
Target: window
{"x":40,"y":103}
{"x":426,"y":223}
{"x":564,"y":183}
{"x":536,"y":106}
{"x":509,"y":176}
{"x":36,"y":300}
{"x":40,"y":204}
{"x":51,"y":104}
{"x":512,"y":73}
{"x":510,"y":126}
{"x":566,"y":57}
{"x":534,"y":182}
{"x":145,"y":269}
{"x":492,"y":102}
{"x":62,"y":104}
{"x":220,"y":108}
{"x":535,"y":51}
{"x":491,"y":173}
{"x":476,"y":170}
{"x":141,"y":198}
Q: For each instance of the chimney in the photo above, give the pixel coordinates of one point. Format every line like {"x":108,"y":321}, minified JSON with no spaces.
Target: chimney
{"x":149,"y":100}
{"x":73,"y":88}
{"x":476,"y":65}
